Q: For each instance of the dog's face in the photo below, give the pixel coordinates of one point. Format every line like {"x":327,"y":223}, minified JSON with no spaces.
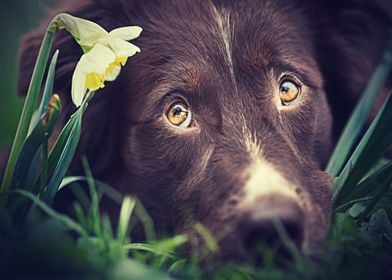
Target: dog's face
{"x":228,"y":120}
{"x":221,"y":119}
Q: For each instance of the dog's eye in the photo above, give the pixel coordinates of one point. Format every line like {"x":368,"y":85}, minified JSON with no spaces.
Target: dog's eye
{"x":179,"y":115}
{"x":288,"y":91}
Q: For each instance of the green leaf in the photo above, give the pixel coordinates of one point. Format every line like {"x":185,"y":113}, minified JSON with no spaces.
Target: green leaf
{"x":382,"y":188}
{"x":39,"y":165}
{"x":343,"y":207}
{"x":360,"y":113}
{"x":65,"y":153}
{"x":61,"y":141}
{"x":342,"y":226}
{"x":367,"y":186}
{"x":29,"y":107}
{"x":368,"y":152}
{"x":380,"y":223}
{"x":51,"y":106}
{"x":48,"y":91}
{"x":28,"y":152}
{"x":371,"y":183}
{"x":357,"y":209}
{"x":29,"y":160}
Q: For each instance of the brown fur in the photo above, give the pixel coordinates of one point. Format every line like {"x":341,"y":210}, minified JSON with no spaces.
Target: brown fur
{"x":332,"y":46}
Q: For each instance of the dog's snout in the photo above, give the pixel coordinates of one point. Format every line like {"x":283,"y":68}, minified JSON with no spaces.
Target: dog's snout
{"x":260,"y":225}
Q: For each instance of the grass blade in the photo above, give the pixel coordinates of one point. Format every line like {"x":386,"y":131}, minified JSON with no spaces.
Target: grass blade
{"x":148,"y":248}
{"x":209,"y":240}
{"x":125,"y":216}
{"x":112,"y":193}
{"x":50,"y":212}
{"x":146,"y":220}
{"x":94,"y":206}
{"x":287,"y":241}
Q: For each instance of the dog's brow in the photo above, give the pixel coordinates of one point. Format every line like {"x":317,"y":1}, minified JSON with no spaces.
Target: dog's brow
{"x":192,"y":78}
{"x":304,"y":72}
{"x":186,"y":84}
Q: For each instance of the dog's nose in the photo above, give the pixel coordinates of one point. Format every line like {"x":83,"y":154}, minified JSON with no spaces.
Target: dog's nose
{"x":260,"y":225}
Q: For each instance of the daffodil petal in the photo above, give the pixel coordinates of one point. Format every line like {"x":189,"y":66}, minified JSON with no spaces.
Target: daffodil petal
{"x":99,"y":58}
{"x":78,"y":90}
{"x":123,"y":48}
{"x":94,"y":64}
{"x":126,"y":33}
{"x":90,"y":63}
{"x":85,"y":32}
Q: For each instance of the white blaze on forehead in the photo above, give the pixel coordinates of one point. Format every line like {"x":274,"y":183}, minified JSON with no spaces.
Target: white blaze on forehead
{"x":264,"y":179}
{"x":252,"y":145}
{"x":224,"y":30}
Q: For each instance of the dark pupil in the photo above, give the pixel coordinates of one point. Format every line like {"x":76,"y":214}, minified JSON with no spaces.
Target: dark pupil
{"x":177,"y":111}
{"x":284,"y":88}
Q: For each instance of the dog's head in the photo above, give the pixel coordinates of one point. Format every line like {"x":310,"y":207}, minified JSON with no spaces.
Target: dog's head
{"x":221,"y":119}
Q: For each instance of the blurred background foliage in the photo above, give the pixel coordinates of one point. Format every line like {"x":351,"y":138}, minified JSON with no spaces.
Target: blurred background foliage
{"x":16,"y":18}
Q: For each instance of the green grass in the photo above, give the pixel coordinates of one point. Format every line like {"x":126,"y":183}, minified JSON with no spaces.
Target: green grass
{"x":39,"y":243}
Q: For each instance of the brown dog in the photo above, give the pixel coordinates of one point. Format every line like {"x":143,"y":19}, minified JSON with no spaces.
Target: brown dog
{"x":223,"y":117}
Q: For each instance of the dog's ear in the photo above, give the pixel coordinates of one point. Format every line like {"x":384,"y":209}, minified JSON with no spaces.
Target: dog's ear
{"x":100,"y":128}
{"x":350,"y":38}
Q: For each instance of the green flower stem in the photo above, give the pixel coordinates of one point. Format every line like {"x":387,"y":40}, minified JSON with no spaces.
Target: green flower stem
{"x":28,"y":109}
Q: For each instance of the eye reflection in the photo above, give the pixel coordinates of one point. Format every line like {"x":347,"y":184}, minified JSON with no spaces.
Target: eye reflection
{"x":288,"y":91}
{"x":179,"y":115}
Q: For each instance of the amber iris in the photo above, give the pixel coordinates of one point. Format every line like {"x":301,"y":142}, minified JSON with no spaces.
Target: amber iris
{"x":288,"y":92}
{"x":179,"y":115}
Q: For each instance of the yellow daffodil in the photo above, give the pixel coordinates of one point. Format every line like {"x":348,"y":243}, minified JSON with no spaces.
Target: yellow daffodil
{"x":104,"y":53}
